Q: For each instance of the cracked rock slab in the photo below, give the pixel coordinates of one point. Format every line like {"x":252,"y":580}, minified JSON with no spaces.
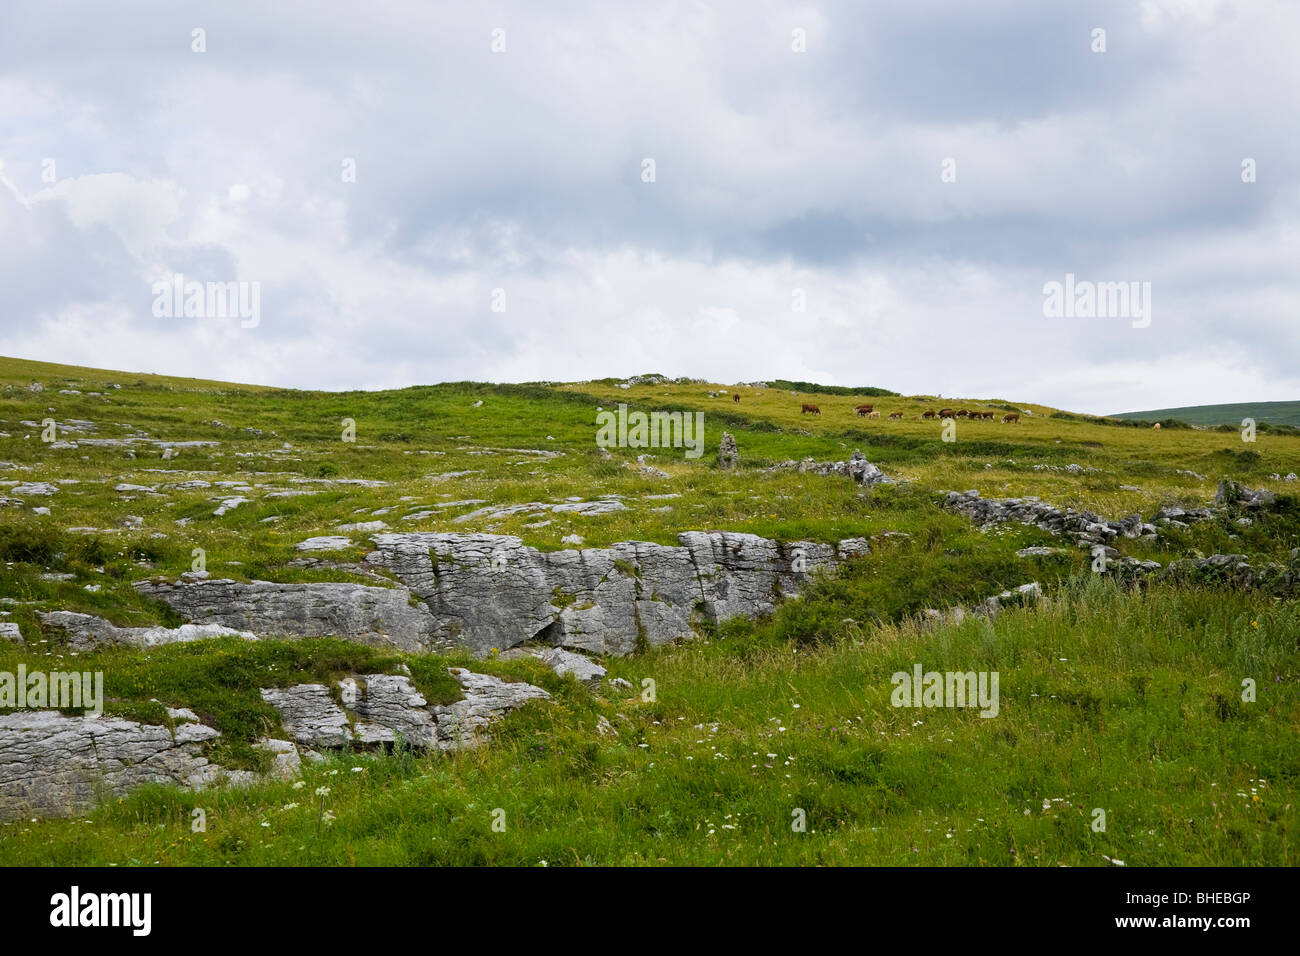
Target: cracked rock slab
{"x":378,"y":616}
{"x":487,"y":592}
{"x":387,"y":708}
{"x":57,"y":766}
{"x":85,"y":632}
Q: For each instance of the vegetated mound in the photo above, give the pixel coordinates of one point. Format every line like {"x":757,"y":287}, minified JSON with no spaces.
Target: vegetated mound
{"x":1272,"y":413}
{"x":814,"y":388}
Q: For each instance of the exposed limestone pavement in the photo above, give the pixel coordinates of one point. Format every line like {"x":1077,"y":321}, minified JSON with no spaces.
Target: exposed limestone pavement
{"x":54,"y":765}
{"x":381,"y":709}
{"x":483,"y":592}
{"x":86,"y":632}
{"x":491,"y":591}
{"x":369,"y":615}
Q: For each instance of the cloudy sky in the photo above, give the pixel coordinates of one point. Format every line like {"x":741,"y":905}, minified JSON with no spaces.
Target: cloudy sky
{"x":918,"y":171}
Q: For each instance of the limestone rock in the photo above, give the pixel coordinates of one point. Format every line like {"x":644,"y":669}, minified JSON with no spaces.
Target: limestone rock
{"x":583,"y":668}
{"x":85,"y":631}
{"x":488,"y":592}
{"x":487,"y":699}
{"x":1231,"y":494}
{"x":728,"y":453}
{"x":857,"y":467}
{"x":484,"y":592}
{"x":387,"y":708}
{"x":370,"y":615}
{"x":57,"y":766}
{"x":310,"y":715}
{"x":285,"y":760}
{"x":329,"y":542}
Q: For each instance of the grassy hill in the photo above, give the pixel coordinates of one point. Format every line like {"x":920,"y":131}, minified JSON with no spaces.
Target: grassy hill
{"x":1124,"y":699}
{"x":1275,"y":413}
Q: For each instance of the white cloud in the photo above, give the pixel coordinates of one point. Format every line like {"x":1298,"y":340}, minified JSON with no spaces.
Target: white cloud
{"x":776,"y":171}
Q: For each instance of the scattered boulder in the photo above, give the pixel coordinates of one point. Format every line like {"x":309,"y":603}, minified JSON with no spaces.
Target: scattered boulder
{"x":366,"y":526}
{"x":583,"y":668}
{"x":34,"y":488}
{"x":857,"y":467}
{"x":989,"y":608}
{"x":1231,"y":494}
{"x":1087,"y":529}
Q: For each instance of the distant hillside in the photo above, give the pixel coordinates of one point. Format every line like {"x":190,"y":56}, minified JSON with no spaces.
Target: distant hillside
{"x":1275,"y":413}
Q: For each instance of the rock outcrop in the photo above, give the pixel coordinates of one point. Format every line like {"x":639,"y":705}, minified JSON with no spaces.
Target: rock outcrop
{"x":486,"y":592}
{"x":857,"y":467}
{"x":562,"y":662}
{"x":86,"y":632}
{"x":728,"y":453}
{"x":1234,"y":570}
{"x":53,"y":765}
{"x":1232,"y":494}
{"x":370,"y":615}
{"x":1087,"y":529}
{"x":382,"y":709}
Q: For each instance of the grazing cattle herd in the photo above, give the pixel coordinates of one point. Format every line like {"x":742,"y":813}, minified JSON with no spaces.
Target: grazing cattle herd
{"x":870,"y":411}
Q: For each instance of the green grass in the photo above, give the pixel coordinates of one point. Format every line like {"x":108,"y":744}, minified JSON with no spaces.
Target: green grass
{"x":1127,"y":701}
{"x":1109,"y":700}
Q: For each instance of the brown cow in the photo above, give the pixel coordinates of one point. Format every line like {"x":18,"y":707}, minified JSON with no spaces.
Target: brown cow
{"x":929,"y":413}
{"x":736,"y":397}
{"x":947,"y":413}
{"x":894,"y":415}
{"x":1010,"y":417}
{"x":863,"y":409}
{"x":961,"y":413}
{"x":988,"y":415}
{"x":810,"y":410}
